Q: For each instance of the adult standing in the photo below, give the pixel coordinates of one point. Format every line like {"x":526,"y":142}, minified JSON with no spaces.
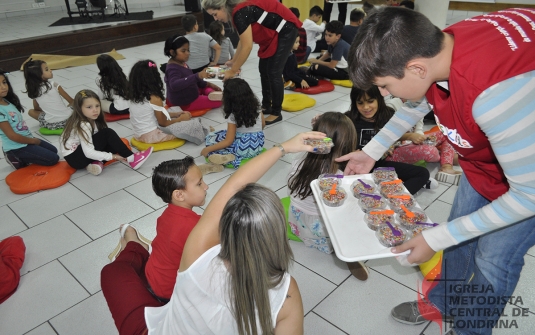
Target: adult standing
{"x":269,"y":24}
{"x":328,"y":8}
{"x":486,"y":107}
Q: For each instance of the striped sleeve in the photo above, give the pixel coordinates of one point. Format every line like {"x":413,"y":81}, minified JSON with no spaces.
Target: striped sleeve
{"x":506,"y":114}
{"x":403,"y":120}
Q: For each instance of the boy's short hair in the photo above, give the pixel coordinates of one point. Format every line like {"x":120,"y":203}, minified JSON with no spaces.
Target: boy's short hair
{"x":335,"y":27}
{"x":387,"y":41}
{"x":188,"y":22}
{"x":407,"y":4}
{"x":315,"y":10}
{"x":170,"y":176}
{"x":356,"y":15}
{"x":295,"y":11}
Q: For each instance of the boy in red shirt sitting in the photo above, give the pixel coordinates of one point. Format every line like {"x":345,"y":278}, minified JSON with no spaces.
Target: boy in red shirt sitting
{"x":179,"y":183}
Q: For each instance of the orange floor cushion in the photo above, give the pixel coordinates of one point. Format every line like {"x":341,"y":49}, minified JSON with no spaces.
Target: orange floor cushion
{"x":127,"y":143}
{"x":432,"y":130}
{"x":37,"y":177}
{"x":322,"y":87}
{"x":194,"y":113}
{"x":115,"y":117}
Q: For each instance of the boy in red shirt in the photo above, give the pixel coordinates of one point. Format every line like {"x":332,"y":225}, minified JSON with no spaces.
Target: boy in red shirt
{"x":179,"y":183}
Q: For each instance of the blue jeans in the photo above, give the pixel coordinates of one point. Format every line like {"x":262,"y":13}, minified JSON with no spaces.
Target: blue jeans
{"x":43,"y":154}
{"x":307,"y":54}
{"x":477,"y":271}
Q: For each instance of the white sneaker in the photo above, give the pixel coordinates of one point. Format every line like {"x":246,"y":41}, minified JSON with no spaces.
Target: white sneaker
{"x":95,"y":168}
{"x":431,"y":184}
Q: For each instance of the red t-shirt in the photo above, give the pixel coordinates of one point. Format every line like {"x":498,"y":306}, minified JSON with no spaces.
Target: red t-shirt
{"x":488,"y":49}
{"x":172,"y":231}
{"x":247,"y":14}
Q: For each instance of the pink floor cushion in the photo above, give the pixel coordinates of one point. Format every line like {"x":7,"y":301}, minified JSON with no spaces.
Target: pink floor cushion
{"x":37,"y":177}
{"x":322,"y":87}
{"x":115,"y":117}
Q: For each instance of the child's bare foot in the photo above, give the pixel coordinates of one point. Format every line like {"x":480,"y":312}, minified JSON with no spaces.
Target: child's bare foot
{"x":130,"y":235}
{"x":456,"y":159}
{"x":448,"y":168}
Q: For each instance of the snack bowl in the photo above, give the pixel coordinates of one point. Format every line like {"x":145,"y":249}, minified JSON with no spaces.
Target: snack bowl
{"x":334,"y":200}
{"x":386,"y":236}
{"x":326,"y":181}
{"x":391,"y":187}
{"x":212,"y":72}
{"x":362,"y":186}
{"x":430,"y":140}
{"x":410,"y":222}
{"x":322,"y":146}
{"x":384,"y":173}
{"x":221,"y":73}
{"x":376,"y":218}
{"x":405,"y":199}
{"x":371,"y":202}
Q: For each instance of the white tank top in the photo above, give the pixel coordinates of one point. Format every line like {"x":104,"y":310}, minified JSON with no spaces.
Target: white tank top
{"x":200,"y":303}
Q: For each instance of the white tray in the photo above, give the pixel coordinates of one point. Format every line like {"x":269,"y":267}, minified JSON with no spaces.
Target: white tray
{"x":351,"y":238}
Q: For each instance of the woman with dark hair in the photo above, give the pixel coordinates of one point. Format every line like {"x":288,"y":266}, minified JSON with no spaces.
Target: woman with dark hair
{"x":269,"y":24}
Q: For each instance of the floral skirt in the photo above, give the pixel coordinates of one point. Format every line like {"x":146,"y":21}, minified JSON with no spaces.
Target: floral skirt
{"x":245,"y":145}
{"x":310,"y":229}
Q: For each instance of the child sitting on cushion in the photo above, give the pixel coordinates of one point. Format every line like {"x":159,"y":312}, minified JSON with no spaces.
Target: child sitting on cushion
{"x":337,"y":51}
{"x":292,"y":73}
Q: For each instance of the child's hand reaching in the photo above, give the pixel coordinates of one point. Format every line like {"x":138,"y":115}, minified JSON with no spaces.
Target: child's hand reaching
{"x":185,"y":116}
{"x":205,"y":152}
{"x":304,"y":84}
{"x":214,"y":87}
{"x":203,"y":74}
{"x":416,"y":138}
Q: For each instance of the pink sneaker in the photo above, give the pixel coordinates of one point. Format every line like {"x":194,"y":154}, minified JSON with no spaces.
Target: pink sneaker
{"x":140,"y":158}
{"x":95,"y":168}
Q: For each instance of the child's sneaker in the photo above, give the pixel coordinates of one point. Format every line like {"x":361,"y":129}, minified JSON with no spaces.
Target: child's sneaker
{"x":431,"y":184}
{"x":215,"y":96}
{"x":95,"y":168}
{"x":289,"y":85}
{"x":13,"y":161}
{"x":221,"y":159}
{"x":140,"y":158}
{"x":448,"y":178}
{"x":210,"y":168}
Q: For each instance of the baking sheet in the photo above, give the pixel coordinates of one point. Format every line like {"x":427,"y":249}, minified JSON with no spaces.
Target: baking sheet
{"x":351,"y":238}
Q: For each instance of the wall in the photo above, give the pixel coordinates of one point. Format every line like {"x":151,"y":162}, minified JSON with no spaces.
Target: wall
{"x":25,"y":7}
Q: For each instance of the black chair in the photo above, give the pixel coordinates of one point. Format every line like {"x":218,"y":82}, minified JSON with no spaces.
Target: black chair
{"x":82,"y":8}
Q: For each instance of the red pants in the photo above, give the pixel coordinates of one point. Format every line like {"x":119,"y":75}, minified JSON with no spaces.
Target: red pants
{"x":412,"y":153}
{"x":124,"y":286}
{"x":202,"y":102}
{"x":12,"y":251}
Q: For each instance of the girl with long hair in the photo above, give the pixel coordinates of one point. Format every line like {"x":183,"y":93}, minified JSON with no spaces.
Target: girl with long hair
{"x":274,"y":28}
{"x":152,"y":122}
{"x":233,"y":276}
{"x":113,"y":86}
{"x":87,"y":141}
{"x":369,"y":114}
{"x":185,"y":88}
{"x":18,"y":144}
{"x":216,"y":30}
{"x":244,"y":137}
{"x":304,"y":217}
{"x":48,"y":106}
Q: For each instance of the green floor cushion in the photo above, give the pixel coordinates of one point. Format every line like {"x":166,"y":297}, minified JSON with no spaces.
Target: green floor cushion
{"x":286,"y":204}
{"x":46,"y":131}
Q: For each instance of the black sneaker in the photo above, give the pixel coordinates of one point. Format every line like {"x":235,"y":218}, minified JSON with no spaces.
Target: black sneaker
{"x":13,"y":160}
{"x":409,"y":313}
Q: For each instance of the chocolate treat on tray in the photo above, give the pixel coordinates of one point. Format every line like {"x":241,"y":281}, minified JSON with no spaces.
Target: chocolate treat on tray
{"x":362,"y":186}
{"x":371,"y":202}
{"x":391,"y":187}
{"x":409,"y":221}
{"x":334,"y":200}
{"x":326,"y":181}
{"x":321,"y":146}
{"x":212,"y":72}
{"x":389,"y":238}
{"x":384,"y":173}
{"x":221,"y":73}
{"x":396,"y":200}
{"x":376,"y":218}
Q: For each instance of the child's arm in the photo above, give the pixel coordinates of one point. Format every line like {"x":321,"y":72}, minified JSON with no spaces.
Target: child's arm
{"x":290,"y":71}
{"x":291,"y":315}
{"x":65,"y":95}
{"x":162,"y":119}
{"x":178,"y":82}
{"x":36,"y":106}
{"x":12,"y":135}
{"x":89,"y":148}
{"x":205,"y":235}
{"x":321,"y":61}
{"x":231,"y":135}
{"x":242,"y":53}
{"x":217,"y":49}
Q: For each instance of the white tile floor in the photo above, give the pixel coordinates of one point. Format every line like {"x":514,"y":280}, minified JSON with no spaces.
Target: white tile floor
{"x":69,"y":231}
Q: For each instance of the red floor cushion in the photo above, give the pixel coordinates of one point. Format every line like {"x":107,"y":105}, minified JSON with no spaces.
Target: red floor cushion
{"x":194,"y":113}
{"x":322,"y":87}
{"x":37,"y":177}
{"x":115,"y":117}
